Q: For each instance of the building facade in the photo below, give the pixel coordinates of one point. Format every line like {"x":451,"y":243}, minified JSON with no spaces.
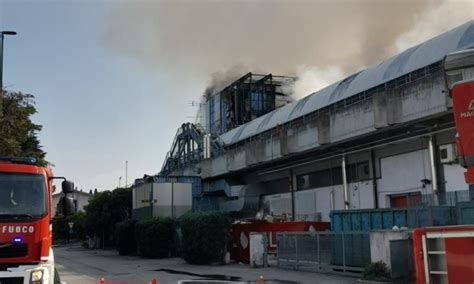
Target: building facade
{"x":383,"y":137}
{"x":81,"y":199}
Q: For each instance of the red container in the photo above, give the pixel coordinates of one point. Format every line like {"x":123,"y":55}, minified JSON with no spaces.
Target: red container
{"x":434,"y":246}
{"x":240,"y":243}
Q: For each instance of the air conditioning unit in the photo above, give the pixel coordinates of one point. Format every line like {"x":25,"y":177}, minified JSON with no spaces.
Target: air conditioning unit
{"x":447,"y":154}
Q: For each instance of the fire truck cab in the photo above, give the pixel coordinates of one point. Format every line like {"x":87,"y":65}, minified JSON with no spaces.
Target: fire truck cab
{"x":26,"y":192}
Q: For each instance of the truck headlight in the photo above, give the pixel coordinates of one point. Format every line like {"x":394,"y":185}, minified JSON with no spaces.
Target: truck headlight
{"x":36,"y":277}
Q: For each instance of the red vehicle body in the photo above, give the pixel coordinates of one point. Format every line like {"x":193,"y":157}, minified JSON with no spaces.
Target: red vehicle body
{"x":444,"y":254}
{"x":459,"y":67}
{"x":25,"y":239}
{"x":463,"y":107}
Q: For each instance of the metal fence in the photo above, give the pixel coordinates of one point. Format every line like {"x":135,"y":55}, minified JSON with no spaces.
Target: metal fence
{"x":329,"y":252}
{"x":448,"y":198}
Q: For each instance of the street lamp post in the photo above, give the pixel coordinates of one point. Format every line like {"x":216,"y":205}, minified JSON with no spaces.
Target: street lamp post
{"x":2,"y":35}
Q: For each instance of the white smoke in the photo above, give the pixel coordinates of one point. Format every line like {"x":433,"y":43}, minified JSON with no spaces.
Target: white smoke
{"x":428,"y":23}
{"x":436,"y":20}
{"x":311,"y":79}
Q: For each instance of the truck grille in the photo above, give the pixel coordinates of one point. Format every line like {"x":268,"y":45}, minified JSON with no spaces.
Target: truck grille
{"x":11,"y":280}
{"x":13,"y":251}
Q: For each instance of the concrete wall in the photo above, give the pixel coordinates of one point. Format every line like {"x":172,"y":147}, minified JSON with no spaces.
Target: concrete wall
{"x":380,"y":244}
{"x":353,"y":121}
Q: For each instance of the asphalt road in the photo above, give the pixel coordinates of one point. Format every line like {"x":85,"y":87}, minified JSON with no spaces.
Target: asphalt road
{"x":79,"y":266}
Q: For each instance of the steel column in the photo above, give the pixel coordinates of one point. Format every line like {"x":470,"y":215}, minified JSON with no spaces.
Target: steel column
{"x":292,"y":190}
{"x":344,"y":183}
{"x":434,"y":176}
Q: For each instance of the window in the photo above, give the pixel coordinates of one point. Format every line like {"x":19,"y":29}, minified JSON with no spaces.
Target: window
{"x":317,"y":179}
{"x":333,"y":176}
{"x":358,"y":172}
{"x":22,"y":196}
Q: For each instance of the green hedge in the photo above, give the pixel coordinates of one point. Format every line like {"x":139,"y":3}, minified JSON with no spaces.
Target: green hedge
{"x":125,"y":236}
{"x":155,"y":237}
{"x":204,"y":237}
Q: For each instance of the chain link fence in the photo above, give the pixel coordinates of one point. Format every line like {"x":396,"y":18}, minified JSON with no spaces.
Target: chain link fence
{"x":329,"y":252}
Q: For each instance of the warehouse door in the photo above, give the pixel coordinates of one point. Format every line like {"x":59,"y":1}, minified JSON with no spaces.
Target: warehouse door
{"x":398,"y":201}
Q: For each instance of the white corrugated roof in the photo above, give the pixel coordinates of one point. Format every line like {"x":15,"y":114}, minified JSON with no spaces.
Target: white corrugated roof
{"x":408,"y":61}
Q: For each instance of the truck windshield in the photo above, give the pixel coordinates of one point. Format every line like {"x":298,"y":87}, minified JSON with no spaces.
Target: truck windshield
{"x":22,"y":196}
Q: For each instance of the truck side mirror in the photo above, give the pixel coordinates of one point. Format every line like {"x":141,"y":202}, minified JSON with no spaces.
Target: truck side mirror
{"x":67,"y":187}
{"x":69,"y":208}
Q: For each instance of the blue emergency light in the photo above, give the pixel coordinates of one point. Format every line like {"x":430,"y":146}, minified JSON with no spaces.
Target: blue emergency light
{"x":17,"y":240}
{"x":19,"y":160}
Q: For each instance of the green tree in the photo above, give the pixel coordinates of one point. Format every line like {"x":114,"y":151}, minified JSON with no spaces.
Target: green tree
{"x":61,"y":226}
{"x":18,"y":134}
{"x":105,"y":210}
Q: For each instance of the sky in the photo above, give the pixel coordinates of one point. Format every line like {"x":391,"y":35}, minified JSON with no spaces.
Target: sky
{"x":98,"y":108}
{"x":113,"y":80}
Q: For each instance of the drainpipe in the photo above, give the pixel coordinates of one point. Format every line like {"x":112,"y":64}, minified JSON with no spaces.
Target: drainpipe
{"x":434,"y":177}
{"x":292,"y":190}
{"x":331,"y":200}
{"x":374,"y":179}
{"x":344,"y":183}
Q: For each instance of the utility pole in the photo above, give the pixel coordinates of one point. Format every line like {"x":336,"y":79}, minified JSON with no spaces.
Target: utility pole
{"x":126,"y":173}
{"x":2,"y":35}
{"x":120,"y":182}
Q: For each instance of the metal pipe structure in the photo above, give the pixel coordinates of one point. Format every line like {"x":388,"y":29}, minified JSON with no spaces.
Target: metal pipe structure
{"x":332,"y":200}
{"x":344,"y":183}
{"x":2,"y":34}
{"x":434,"y":176}
{"x":374,"y":178}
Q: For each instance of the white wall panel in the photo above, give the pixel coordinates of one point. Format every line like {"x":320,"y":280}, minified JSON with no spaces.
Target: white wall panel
{"x":403,"y":173}
{"x":454,"y":177}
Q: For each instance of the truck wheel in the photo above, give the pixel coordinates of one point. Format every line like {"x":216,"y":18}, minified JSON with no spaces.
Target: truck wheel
{"x":56,"y":277}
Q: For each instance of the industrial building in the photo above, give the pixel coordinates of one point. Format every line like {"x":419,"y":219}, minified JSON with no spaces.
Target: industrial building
{"x":383,"y":137}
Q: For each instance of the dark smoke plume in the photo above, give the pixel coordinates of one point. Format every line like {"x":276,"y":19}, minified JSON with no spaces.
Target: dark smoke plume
{"x":195,"y":39}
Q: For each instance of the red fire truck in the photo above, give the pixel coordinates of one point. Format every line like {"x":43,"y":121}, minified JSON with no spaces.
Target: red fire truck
{"x":25,"y":221}
{"x":459,"y":70}
{"x":446,"y":254}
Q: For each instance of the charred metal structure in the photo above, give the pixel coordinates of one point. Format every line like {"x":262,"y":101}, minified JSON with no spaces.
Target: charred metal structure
{"x":249,"y":97}
{"x":187,"y":149}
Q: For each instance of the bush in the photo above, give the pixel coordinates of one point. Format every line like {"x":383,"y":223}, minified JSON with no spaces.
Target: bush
{"x":204,"y":237}
{"x":376,"y":271}
{"x":125,"y":236}
{"x":155,"y":237}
